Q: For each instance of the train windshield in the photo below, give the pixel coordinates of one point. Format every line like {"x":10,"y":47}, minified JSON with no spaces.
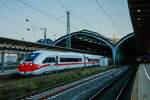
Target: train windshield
{"x":31,"y":56}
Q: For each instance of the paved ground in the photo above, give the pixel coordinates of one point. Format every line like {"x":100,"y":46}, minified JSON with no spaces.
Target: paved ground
{"x":141,"y":89}
{"x":8,"y":72}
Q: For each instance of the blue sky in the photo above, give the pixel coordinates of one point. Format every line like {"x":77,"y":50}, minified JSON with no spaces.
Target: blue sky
{"x":85,"y":14}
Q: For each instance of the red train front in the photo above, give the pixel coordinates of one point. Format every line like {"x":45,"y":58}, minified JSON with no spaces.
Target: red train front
{"x":28,"y":65}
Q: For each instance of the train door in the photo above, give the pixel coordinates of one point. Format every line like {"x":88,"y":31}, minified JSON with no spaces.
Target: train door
{"x":56,"y":60}
{"x":85,"y":60}
{"x":56,"y":63}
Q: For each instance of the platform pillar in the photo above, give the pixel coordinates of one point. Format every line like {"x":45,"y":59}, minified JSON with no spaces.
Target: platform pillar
{"x":2,"y":60}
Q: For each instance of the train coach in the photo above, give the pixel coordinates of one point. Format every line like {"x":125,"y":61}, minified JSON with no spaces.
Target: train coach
{"x":39,"y":62}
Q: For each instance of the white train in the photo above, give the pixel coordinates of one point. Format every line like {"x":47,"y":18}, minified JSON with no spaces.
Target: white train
{"x":39,"y":62}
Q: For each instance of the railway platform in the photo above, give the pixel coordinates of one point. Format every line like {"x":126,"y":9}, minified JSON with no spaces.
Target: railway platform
{"x":8,"y":72}
{"x":141,"y":88}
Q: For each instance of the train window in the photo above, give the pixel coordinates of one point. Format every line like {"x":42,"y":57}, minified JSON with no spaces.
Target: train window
{"x":90,"y":60}
{"x":31,"y":56}
{"x":70,"y":59}
{"x":96,"y":59}
{"x":49,"y":60}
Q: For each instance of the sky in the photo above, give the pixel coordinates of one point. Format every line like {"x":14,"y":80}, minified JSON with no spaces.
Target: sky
{"x":23,"y":19}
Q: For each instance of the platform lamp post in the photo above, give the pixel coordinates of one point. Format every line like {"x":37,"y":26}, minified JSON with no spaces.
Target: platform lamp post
{"x":44,"y":34}
{"x":31,"y":28}
{"x":68,"y":39}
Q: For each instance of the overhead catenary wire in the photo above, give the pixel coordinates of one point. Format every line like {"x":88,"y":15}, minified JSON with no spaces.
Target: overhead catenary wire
{"x":12,"y":20}
{"x":66,"y":8}
{"x":109,"y":17}
{"x":39,"y":10}
{"x":45,"y":13}
{"x":85,"y":23}
{"x":119,"y":14}
{"x":5,"y":17}
{"x":4,"y":5}
{"x":10,"y":31}
{"x":117,"y":10}
{"x":64,"y":5}
{"x":82,"y":20}
{"x":14,"y":24}
{"x":12,"y":11}
{"x":13,"y":31}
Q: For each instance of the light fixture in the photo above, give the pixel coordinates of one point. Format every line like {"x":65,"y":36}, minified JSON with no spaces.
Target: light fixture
{"x":138,"y":10}
{"x":80,"y":38}
{"x":85,"y":39}
{"x":138,"y":18}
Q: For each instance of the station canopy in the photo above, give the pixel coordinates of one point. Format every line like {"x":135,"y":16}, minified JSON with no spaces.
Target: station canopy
{"x":88,"y":41}
{"x":140,"y":17}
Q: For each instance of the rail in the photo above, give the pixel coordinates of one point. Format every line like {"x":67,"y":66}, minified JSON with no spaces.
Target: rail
{"x":78,"y":87}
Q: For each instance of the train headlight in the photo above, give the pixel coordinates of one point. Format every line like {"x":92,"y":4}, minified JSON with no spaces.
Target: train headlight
{"x":20,"y":65}
{"x":38,"y":66}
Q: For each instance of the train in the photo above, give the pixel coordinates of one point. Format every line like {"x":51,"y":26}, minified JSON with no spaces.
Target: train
{"x":40,"y":62}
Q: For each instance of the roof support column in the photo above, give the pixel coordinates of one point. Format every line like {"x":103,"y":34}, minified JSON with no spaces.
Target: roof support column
{"x":114,"y":55}
{"x":2,"y":60}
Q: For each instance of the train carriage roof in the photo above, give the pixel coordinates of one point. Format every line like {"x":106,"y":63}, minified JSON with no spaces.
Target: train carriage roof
{"x":64,"y":53}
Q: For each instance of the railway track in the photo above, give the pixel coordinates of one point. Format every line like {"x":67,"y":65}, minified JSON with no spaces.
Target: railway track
{"x":74,"y":87}
{"x":17,"y":76}
{"x":118,"y":89}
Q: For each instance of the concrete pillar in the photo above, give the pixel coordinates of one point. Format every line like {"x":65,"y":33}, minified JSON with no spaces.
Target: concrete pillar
{"x":2,"y":60}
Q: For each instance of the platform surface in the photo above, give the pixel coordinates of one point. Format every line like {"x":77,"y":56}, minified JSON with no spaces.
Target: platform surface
{"x":8,"y":72}
{"x":141,"y":88}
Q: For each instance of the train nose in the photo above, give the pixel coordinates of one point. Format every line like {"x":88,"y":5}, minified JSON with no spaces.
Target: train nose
{"x":28,"y":67}
{"x":25,"y":67}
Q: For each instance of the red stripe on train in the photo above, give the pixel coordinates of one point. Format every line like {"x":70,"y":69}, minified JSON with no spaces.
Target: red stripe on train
{"x":32,"y":67}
